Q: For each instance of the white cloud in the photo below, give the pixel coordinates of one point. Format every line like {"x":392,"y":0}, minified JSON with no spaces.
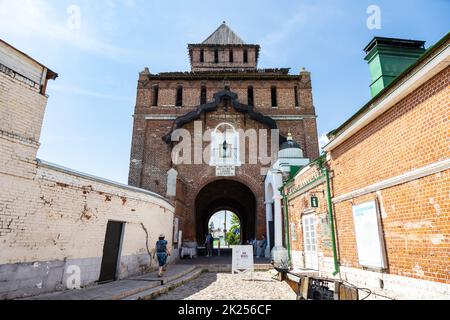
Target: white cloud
{"x":306,"y":19}
{"x":38,"y":21}
{"x":88,"y":93}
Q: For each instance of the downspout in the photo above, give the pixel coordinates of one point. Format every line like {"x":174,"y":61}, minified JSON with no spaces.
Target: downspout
{"x":331,"y":218}
{"x":286,"y":221}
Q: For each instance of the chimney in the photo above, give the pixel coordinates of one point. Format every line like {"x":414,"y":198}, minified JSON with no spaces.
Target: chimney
{"x":388,"y":58}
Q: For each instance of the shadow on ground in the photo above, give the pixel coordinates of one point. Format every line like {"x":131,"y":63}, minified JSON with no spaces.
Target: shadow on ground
{"x":194,"y":287}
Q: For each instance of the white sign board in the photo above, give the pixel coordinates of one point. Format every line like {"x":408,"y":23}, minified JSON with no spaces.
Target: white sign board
{"x":369,"y":238}
{"x":225,"y":171}
{"x":243,"y":260}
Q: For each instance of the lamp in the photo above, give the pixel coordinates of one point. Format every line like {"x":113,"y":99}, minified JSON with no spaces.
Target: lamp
{"x":225,"y":147}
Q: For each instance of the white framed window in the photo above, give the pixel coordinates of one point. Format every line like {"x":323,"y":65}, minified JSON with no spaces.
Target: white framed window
{"x":225,"y":146}
{"x":310,"y":242}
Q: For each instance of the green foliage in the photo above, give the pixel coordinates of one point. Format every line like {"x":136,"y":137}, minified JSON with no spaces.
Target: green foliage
{"x":233,"y":236}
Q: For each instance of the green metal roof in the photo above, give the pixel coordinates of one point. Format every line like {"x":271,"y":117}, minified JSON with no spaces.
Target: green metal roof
{"x":367,"y":107}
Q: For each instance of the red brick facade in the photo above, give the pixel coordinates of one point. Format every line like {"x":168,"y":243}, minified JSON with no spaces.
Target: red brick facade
{"x":413,"y":134}
{"x":400,"y":160}
{"x":154,"y":118}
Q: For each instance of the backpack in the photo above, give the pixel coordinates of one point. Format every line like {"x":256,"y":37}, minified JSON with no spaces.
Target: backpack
{"x":161,"y":246}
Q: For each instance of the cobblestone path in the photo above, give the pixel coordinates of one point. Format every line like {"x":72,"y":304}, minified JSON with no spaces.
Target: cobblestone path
{"x":219,"y":286}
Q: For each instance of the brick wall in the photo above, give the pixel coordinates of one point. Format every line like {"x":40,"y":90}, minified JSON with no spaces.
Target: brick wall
{"x":23,"y":107}
{"x":308,"y":183}
{"x":224,"y":58}
{"x":52,"y":218}
{"x":151,"y":157}
{"x":411,"y":135}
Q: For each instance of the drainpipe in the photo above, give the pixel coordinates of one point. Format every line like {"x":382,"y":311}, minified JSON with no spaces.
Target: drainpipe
{"x":330,"y":217}
{"x":286,"y":221}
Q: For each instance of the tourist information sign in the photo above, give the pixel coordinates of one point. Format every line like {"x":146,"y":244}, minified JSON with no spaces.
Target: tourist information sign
{"x":243,"y":260}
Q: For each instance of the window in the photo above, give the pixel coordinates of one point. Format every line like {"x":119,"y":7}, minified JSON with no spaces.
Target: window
{"x":297,"y":102}
{"x":245,"y":56}
{"x":202,"y":55}
{"x":225,"y":146}
{"x":179,"y":102}
{"x":251,"y":97}
{"x":231,"y":56}
{"x":216,"y":56}
{"x":203,"y":95}
{"x":274,"y":97}
{"x":155,"y":95}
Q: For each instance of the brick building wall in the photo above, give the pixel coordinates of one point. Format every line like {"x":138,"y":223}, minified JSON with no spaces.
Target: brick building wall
{"x":310,"y":182}
{"x":52,"y":218}
{"x":400,"y":159}
{"x":411,"y":135}
{"x":151,"y":156}
{"x":224,"y":57}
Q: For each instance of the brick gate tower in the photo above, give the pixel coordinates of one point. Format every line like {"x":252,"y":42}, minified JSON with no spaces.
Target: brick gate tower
{"x":224,"y":92}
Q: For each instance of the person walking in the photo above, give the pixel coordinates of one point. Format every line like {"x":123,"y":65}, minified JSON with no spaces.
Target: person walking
{"x":209,"y":245}
{"x":162,"y":253}
{"x":263,"y":247}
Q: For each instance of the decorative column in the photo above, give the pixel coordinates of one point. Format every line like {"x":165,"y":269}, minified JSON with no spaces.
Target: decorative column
{"x":278,"y":221}
{"x":280,"y":255}
{"x":269,"y":218}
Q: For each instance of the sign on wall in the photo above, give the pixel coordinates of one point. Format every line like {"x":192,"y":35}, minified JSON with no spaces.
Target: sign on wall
{"x":314,"y":202}
{"x":225,"y":171}
{"x":369,"y":236}
{"x":243,"y":260}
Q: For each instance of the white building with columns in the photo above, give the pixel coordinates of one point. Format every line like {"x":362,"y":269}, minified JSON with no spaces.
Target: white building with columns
{"x":290,"y":160}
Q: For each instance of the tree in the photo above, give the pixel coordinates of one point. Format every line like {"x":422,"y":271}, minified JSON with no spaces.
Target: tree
{"x":233,"y":236}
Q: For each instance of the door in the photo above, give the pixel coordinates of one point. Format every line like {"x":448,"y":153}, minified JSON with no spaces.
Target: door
{"x":310,"y":239}
{"x":111,"y":251}
{"x":271,"y":235}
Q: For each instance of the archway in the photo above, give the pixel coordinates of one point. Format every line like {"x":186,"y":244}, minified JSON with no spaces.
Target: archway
{"x":225,"y":227}
{"x":228,"y":195}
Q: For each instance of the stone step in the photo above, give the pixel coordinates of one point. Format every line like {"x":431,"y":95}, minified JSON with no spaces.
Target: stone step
{"x":165,"y":288}
{"x":121,"y":289}
{"x":174,"y":272}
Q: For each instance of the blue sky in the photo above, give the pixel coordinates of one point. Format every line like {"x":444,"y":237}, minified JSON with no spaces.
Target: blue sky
{"x":88,"y":122}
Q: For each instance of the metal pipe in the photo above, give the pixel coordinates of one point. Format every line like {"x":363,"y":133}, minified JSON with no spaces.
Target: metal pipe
{"x":331,"y":218}
{"x":286,"y":221}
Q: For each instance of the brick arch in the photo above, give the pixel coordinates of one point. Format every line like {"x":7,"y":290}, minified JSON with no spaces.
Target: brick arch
{"x":242,"y":178}
{"x":226,"y":194}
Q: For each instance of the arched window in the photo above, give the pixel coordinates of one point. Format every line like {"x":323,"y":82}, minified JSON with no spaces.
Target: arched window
{"x":202,"y":56}
{"x":155,"y":95}
{"x":251,"y":96}
{"x":225,"y":146}
{"x":297,"y":101}
{"x":245,"y":56}
{"x":179,"y":98}
{"x":216,"y":56}
{"x":231,"y":56}
{"x":274,"y":97}
{"x":203,"y":95}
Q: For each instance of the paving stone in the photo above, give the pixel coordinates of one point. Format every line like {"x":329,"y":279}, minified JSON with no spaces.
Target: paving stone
{"x":221,"y":286}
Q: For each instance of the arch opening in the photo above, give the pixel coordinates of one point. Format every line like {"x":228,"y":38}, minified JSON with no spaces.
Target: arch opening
{"x":226,"y":195}
{"x":225,"y":227}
